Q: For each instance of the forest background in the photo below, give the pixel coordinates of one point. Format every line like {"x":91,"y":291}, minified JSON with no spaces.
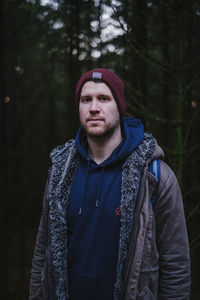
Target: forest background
{"x":44,"y":48}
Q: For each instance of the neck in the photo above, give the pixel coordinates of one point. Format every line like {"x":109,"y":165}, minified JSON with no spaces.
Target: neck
{"x":100,"y":148}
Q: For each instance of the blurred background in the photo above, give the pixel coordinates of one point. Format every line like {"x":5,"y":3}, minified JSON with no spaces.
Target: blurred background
{"x":44,"y":48}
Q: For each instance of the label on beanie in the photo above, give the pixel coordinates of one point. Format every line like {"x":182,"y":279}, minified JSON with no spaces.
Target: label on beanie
{"x":96,"y":75}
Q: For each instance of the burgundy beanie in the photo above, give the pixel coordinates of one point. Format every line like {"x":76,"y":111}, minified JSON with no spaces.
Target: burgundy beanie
{"x":111,"y":79}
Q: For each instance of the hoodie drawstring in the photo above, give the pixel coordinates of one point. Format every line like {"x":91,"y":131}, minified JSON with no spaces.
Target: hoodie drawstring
{"x":99,"y":187}
{"x":85,"y":185}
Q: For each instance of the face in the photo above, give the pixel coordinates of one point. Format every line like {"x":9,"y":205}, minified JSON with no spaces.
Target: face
{"x":99,"y":114}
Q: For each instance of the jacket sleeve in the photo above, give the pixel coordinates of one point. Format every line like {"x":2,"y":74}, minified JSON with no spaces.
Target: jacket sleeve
{"x":172,"y":239}
{"x":38,"y":262}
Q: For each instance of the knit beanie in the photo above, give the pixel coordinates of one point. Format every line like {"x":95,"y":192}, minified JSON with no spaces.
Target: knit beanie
{"x":111,"y":79}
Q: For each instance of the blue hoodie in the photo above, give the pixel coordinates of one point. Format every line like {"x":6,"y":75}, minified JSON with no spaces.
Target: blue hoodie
{"x":94,"y":217}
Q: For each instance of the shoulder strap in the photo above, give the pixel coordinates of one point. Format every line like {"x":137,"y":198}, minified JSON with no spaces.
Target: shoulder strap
{"x":154,"y":169}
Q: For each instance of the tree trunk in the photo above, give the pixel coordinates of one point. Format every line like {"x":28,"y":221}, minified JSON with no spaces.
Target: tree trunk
{"x":4,"y":159}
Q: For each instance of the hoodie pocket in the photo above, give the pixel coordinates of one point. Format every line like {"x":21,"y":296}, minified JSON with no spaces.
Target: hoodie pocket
{"x":146,"y":294}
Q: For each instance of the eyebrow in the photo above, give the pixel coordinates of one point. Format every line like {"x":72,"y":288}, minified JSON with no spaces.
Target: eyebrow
{"x":98,"y":95}
{"x":85,"y":96}
{"x":103,"y":95}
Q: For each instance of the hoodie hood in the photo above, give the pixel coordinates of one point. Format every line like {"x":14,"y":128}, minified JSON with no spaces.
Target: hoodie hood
{"x":133,"y":134}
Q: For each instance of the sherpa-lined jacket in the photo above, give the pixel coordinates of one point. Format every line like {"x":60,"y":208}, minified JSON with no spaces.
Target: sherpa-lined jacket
{"x":153,"y":261}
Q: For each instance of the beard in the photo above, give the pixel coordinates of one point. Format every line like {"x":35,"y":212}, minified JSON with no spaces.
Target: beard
{"x":102,"y":134}
{"x":106,"y":134}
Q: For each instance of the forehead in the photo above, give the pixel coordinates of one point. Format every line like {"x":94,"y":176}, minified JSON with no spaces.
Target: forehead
{"x":92,"y":87}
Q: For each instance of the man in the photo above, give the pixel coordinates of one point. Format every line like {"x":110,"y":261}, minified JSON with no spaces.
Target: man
{"x":99,"y":237}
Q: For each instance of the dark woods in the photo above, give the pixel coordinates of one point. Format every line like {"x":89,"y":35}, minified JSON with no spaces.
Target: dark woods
{"x":44,"y":47}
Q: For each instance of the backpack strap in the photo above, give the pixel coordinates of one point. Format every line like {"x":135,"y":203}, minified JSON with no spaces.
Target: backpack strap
{"x":154,"y":169}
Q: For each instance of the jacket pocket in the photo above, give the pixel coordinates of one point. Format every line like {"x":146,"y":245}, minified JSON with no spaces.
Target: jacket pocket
{"x":146,"y":294}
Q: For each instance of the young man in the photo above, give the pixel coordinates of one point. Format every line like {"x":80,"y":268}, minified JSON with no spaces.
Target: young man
{"x":99,"y":237}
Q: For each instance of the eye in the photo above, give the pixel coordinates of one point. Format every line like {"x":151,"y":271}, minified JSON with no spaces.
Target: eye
{"x":104,"y":98}
{"x":85,"y":99}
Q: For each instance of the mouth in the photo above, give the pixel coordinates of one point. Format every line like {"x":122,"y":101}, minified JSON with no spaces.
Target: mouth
{"x":94,"y":120}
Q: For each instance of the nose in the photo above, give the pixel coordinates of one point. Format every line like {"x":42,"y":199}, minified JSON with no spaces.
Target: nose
{"x":94,"y":106}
